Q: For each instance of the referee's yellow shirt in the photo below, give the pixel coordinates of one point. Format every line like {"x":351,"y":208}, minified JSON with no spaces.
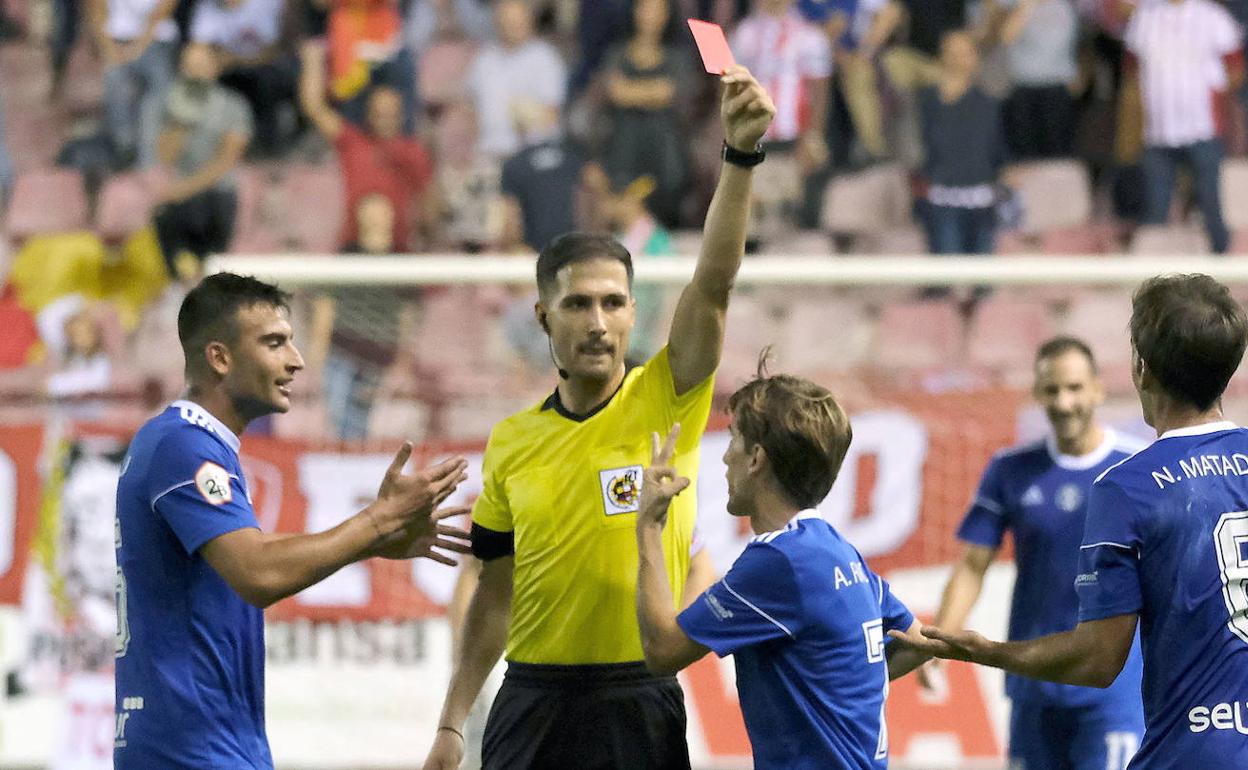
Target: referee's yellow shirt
{"x":568,"y":489}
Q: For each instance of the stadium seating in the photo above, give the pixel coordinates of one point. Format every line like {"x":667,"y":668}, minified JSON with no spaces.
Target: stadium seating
{"x":47,"y":201}
{"x":1055,"y":194}
{"x":875,"y":199}
{"x":918,"y":335}
{"x":1235,"y":193}
{"x":1169,"y":240}
{"x":442,"y":71}
{"x":1004,"y":333}
{"x":821,"y":334}
{"x":125,"y":203}
{"x":314,"y":208}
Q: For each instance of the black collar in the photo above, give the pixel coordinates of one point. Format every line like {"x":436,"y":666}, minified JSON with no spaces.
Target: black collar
{"x":553,"y":401}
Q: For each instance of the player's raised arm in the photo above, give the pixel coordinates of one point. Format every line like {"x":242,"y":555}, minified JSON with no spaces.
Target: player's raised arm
{"x":697,"y":334}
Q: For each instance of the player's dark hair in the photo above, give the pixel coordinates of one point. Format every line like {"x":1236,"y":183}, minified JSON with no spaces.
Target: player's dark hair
{"x":801,"y":427}
{"x":210,"y":310}
{"x":578,"y":247}
{"x":1065,"y":344}
{"x":1191,"y":334}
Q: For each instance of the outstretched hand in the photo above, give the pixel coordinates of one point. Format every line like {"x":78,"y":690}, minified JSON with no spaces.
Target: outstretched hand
{"x":406,"y":501}
{"x":746,"y":109}
{"x":949,"y":645}
{"x":660,"y":481}
{"x":420,"y":537}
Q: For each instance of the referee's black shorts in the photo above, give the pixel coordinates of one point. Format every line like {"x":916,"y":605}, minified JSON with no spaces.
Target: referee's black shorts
{"x":600,"y":717}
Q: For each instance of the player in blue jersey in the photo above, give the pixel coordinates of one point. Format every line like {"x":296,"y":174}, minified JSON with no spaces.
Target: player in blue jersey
{"x":194,"y":570}
{"x":1039,"y":492}
{"x":799,"y":610}
{"x":1166,"y":545}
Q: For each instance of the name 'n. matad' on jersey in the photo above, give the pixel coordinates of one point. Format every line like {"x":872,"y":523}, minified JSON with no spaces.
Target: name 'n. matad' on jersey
{"x":190,"y":651}
{"x":1167,"y":537}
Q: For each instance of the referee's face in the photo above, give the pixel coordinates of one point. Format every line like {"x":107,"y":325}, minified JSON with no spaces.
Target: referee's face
{"x":263,"y":362}
{"x":589,"y":316}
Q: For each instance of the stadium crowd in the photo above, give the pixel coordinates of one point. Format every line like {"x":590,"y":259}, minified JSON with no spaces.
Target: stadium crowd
{"x":139,"y":136}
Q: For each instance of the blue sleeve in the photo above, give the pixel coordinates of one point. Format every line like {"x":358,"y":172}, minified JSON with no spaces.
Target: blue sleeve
{"x":895,"y":614}
{"x":985,"y":522}
{"x":756,"y":602}
{"x":1108,"y":583}
{"x":195,"y":486}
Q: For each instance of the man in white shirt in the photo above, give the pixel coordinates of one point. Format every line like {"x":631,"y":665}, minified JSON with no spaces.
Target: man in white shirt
{"x":138,"y":41}
{"x":255,"y":61}
{"x":519,"y":68}
{"x":1187,"y":58}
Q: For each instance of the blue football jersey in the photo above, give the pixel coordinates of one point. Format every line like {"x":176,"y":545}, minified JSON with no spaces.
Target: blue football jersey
{"x":190,"y":651}
{"x":806,"y":622}
{"x":1167,"y":538}
{"x":1041,"y":497}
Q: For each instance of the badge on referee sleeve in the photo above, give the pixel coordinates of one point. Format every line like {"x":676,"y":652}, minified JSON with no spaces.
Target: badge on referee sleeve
{"x":621,"y":489}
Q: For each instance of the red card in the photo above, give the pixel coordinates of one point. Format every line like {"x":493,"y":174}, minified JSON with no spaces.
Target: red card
{"x":716,"y":56}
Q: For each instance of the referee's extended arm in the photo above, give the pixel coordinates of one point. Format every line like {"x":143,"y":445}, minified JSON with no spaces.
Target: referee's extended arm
{"x":696,"y":339}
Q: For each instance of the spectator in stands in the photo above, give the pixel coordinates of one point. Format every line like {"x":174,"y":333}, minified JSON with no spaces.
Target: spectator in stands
{"x":857,"y":29}
{"x":518,"y":68}
{"x":257,"y":59}
{"x":376,"y":158}
{"x":646,"y":78}
{"x":1041,"y":39}
{"x":138,"y":42}
{"x":428,"y":21}
{"x":964,"y":152}
{"x":598,"y":27}
{"x":204,"y":135}
{"x":366,"y":51}
{"x":626,"y":213}
{"x":914,"y":62}
{"x":1187,"y":58}
{"x":540,"y":182}
{"x":357,"y":330}
{"x":792,"y":59}
{"x":82,"y":365}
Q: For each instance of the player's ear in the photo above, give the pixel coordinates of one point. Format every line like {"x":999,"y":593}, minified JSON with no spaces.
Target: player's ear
{"x":540,"y":312}
{"x":217,"y":356}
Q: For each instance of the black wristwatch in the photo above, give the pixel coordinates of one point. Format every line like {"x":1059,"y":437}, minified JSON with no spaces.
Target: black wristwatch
{"x":736,"y":157}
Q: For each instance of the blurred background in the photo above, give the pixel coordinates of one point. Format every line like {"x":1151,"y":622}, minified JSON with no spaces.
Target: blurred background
{"x":941,"y":176}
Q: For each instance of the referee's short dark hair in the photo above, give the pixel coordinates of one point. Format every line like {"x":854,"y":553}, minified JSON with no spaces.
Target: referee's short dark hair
{"x":210,"y":310}
{"x":804,"y":431}
{"x":1062,"y":345}
{"x":1191,"y":333}
{"x":578,"y":247}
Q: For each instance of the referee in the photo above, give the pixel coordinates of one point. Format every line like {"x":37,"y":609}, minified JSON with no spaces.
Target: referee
{"x":554,"y":523}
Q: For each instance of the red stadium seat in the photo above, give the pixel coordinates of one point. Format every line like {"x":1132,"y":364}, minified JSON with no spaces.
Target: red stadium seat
{"x":1169,"y":240}
{"x":1235,"y":193}
{"x":824,"y":334}
{"x":1055,"y":194}
{"x":314,"y":208}
{"x":918,"y":335}
{"x":443,"y":71}
{"x":47,"y":201}
{"x":802,"y":243}
{"x":125,"y":203}
{"x":1100,"y":319}
{"x":902,"y":240}
{"x":866,"y":201}
{"x":1005,"y":332}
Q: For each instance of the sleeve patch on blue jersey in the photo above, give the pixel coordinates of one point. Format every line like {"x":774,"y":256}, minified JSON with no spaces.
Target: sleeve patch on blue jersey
{"x":213,"y":483}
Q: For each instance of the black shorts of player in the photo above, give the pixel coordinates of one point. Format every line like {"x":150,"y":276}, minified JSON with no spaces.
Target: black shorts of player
{"x":601,"y":717}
